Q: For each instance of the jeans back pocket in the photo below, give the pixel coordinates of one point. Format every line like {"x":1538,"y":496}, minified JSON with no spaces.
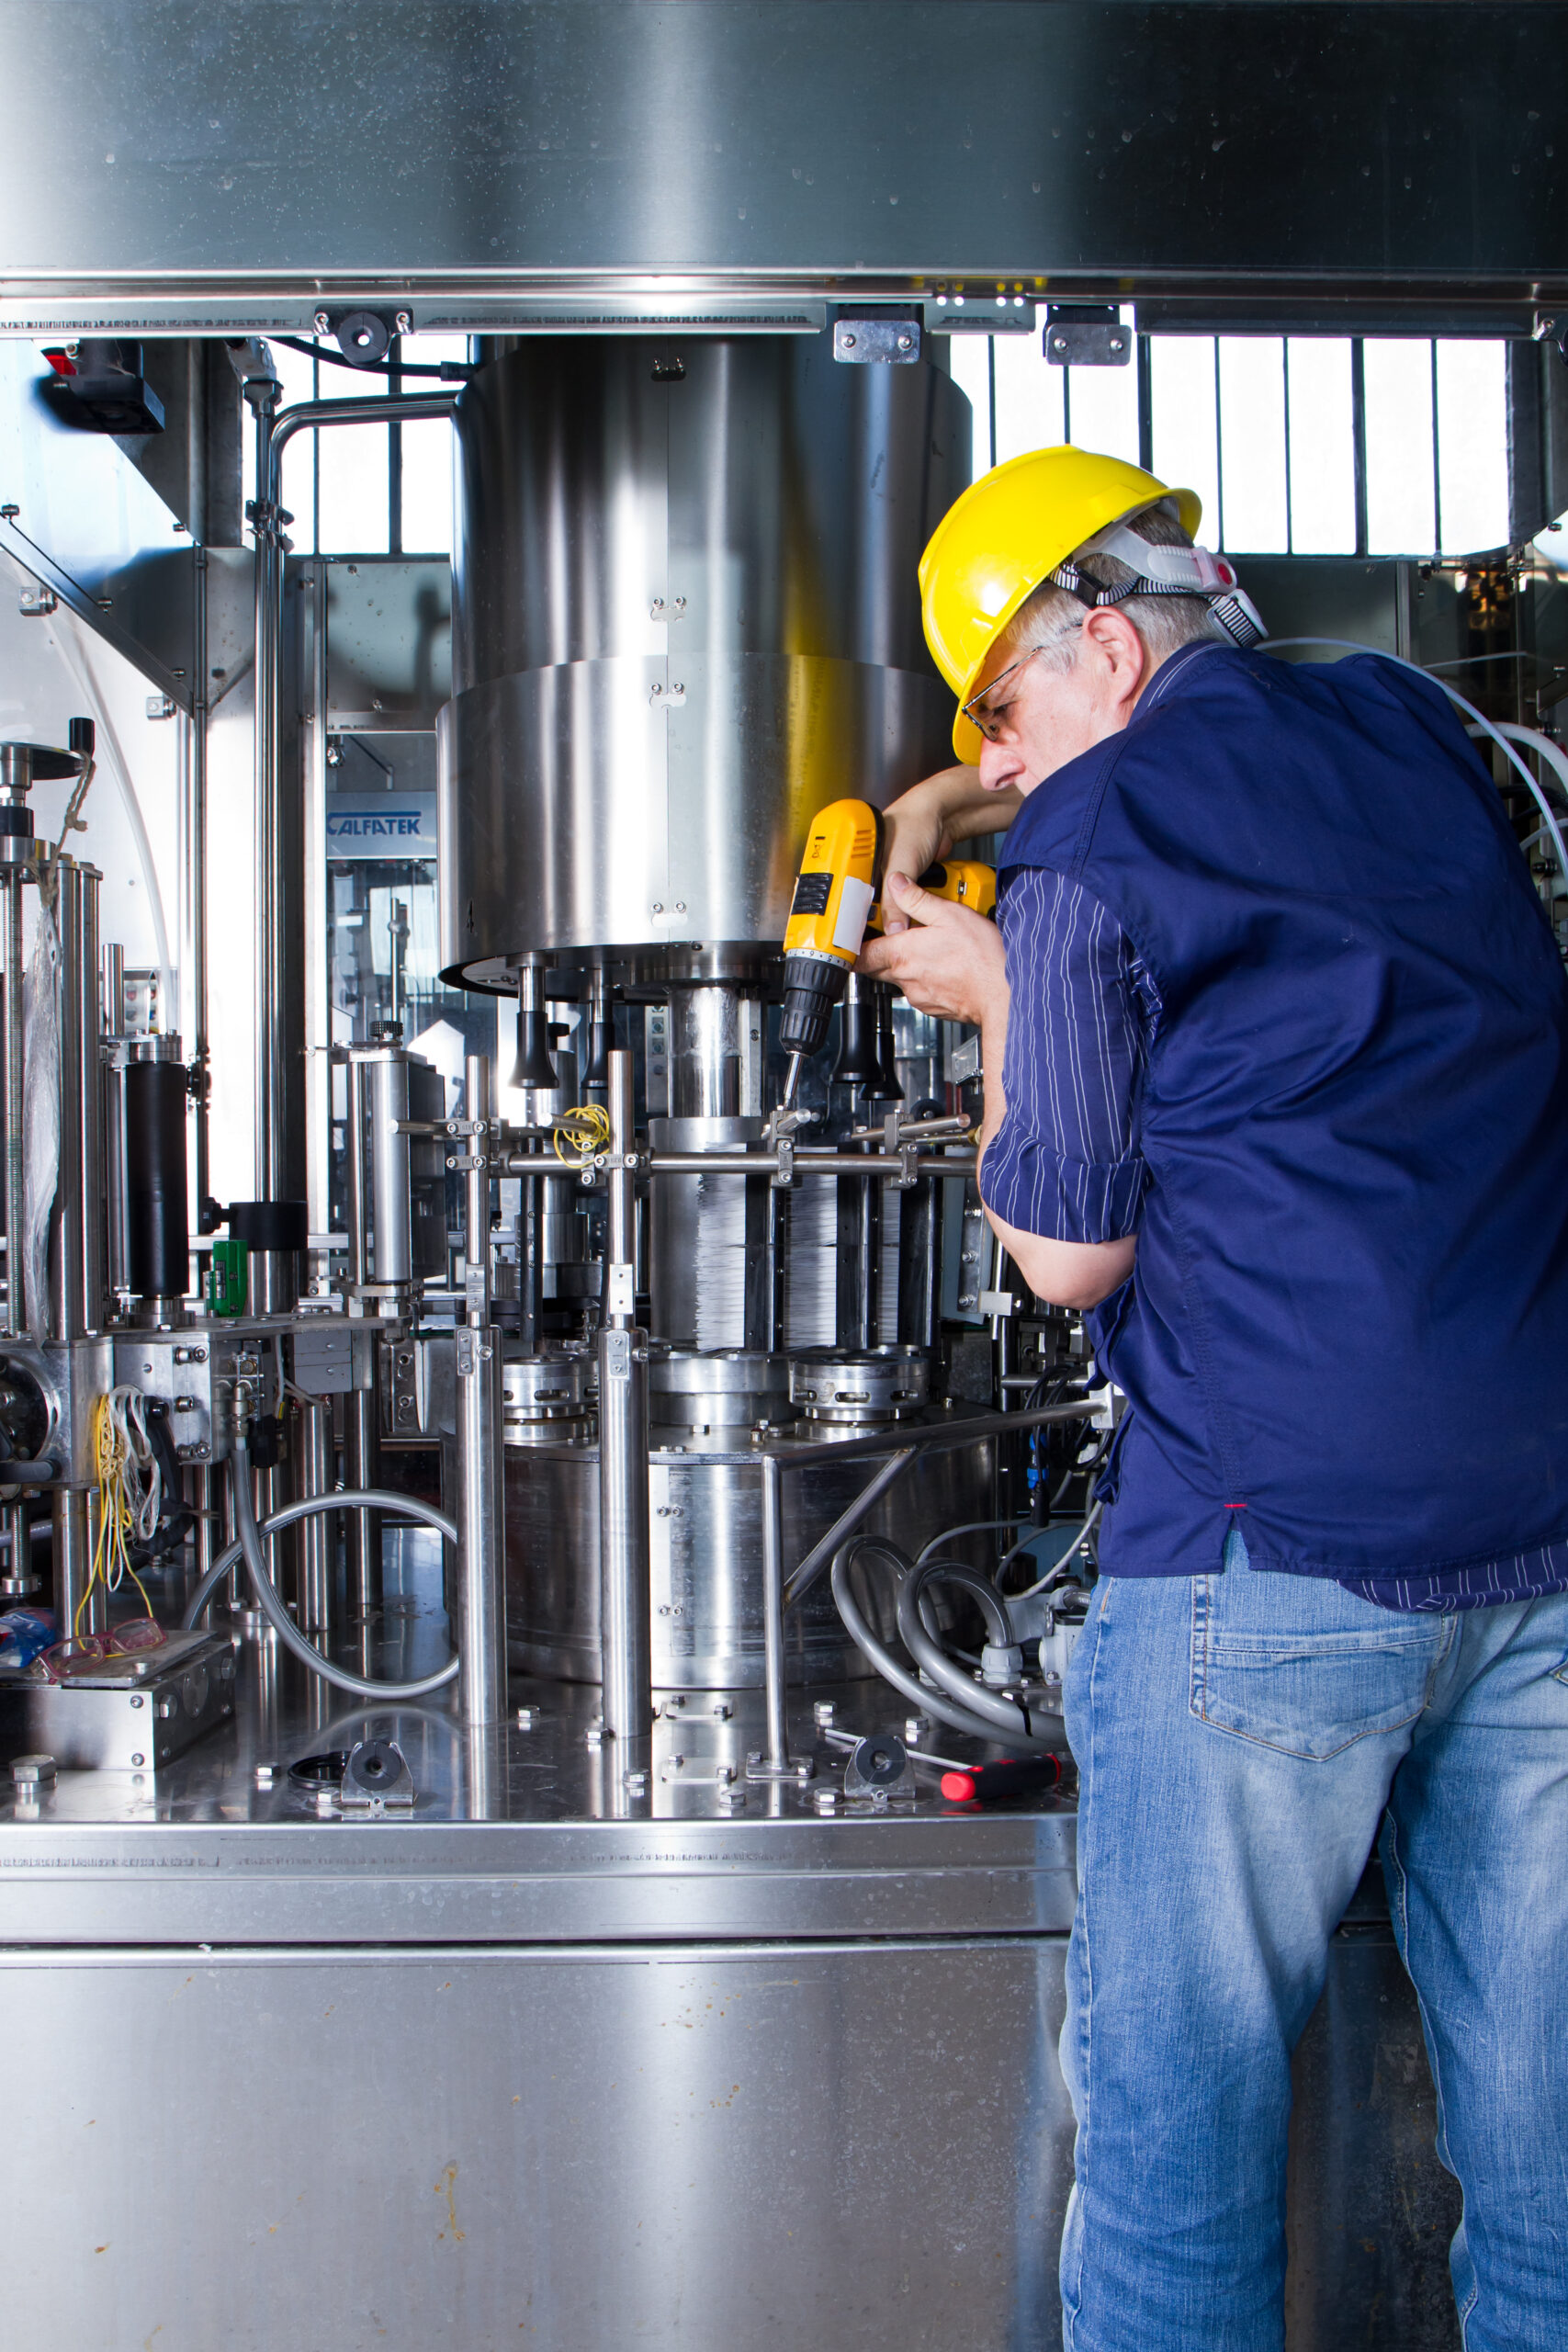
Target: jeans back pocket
{"x":1299,"y":1665}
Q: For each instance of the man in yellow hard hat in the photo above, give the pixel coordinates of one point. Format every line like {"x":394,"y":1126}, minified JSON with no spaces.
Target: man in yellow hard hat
{"x":1275,"y":1037}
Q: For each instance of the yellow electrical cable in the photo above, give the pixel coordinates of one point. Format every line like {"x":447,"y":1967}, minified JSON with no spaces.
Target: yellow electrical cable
{"x":111,"y":1560}
{"x":586,"y":1128}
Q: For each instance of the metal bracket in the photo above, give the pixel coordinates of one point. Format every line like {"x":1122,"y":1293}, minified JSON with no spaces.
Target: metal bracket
{"x":879,"y":1766}
{"x":375,"y":1778}
{"x":1087,"y":335}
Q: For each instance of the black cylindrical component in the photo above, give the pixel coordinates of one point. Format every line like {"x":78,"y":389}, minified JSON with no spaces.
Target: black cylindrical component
{"x":276,"y":1233}
{"x":857,"y":1065}
{"x":534,"y":1066}
{"x":887,"y":1089}
{"x":84,"y":737}
{"x":282,"y":1225}
{"x":157,"y":1219}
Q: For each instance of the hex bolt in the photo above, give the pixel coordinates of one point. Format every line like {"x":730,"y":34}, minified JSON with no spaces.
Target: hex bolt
{"x":138,"y":1758}
{"x":265,"y":1775}
{"x":526,"y":1718}
{"x":822,"y":1713}
{"x":28,"y":1771}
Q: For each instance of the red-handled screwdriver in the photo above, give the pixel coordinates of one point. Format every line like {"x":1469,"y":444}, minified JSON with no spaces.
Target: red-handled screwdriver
{"x":979,"y":1782}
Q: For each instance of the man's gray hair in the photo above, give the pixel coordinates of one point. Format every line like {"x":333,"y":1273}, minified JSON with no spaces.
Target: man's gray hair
{"x":1050,"y":617}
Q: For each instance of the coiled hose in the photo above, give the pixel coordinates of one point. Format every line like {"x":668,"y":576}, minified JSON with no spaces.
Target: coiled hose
{"x":249,"y":1548}
{"x":959,"y":1714}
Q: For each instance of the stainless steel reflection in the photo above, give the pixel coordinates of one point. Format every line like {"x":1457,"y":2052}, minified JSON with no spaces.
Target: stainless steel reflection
{"x":684,"y":615}
{"x":840,"y":2055}
{"x":705,"y":1555}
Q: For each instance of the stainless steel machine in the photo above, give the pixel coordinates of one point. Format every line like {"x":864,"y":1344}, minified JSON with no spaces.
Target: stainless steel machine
{"x":491,"y":1886}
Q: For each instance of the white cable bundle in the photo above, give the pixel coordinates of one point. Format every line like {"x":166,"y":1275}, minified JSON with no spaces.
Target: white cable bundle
{"x":40,"y":1114}
{"x":141,"y":1480}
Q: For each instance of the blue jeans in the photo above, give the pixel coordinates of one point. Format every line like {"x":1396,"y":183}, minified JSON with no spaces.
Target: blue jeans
{"x":1239,"y":1737}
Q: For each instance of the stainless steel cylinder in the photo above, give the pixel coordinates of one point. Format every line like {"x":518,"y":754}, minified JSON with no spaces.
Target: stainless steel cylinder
{"x":706,"y":1554}
{"x":625,"y":1630}
{"x":854,"y":1390}
{"x":397,"y":1188}
{"x":716,"y":1397}
{"x":684,"y":611}
{"x":545,"y":1398}
{"x":274,"y":1276}
{"x":316,"y":1465}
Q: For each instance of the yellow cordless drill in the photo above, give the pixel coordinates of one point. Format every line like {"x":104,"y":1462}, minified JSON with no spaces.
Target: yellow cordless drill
{"x":836,"y":903}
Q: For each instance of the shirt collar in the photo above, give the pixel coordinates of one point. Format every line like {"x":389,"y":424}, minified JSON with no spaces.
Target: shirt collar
{"x":1174,"y":672}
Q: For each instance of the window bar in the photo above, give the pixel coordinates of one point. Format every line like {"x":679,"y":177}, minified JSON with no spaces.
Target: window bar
{"x":1437,"y":467}
{"x":1066,"y":404}
{"x":991,"y":391}
{"x":1218,"y":454}
{"x":394,"y":453}
{"x":1290,"y":515}
{"x":1359,"y":437}
{"x":315,"y":461}
{"x":1145,"y":405}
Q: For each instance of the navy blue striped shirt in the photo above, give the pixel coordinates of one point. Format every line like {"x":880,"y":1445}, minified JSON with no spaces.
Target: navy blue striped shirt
{"x":1065,"y":1161}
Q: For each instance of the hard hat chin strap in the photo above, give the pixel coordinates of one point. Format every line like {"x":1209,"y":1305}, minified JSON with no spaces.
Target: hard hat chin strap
{"x":1164,"y":571}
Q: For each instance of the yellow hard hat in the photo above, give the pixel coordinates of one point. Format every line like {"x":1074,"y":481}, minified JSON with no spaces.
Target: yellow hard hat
{"x":1006,"y":534}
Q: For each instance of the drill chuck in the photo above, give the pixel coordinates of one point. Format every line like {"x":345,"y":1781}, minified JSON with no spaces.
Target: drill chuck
{"x":813,"y":985}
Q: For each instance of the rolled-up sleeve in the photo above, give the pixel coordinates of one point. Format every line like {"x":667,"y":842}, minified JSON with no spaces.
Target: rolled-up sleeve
{"x":1064,"y":1162}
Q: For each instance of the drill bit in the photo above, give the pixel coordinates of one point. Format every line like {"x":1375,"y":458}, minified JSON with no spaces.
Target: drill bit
{"x":791,"y":1079}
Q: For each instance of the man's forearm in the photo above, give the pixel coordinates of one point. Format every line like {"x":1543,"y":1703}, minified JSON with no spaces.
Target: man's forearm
{"x":1075,"y":1274}
{"x":973,"y":812}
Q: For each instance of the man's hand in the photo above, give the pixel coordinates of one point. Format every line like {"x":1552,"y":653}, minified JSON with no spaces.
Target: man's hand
{"x":932,"y":818}
{"x":948,"y":960}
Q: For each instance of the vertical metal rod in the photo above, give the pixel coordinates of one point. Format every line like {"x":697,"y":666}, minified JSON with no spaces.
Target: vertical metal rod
{"x":358,"y":1190}
{"x":67,"y":1316}
{"x":361,"y":1406}
{"x":316,"y":1467}
{"x":268,"y":630}
{"x":73,"y":1563}
{"x":193,"y":1012}
{"x":199,"y":1492}
{"x":88,"y":1075}
{"x":625,"y":1602}
{"x":481,"y":1567}
{"x":361,"y":1413}
{"x":11,"y":978}
{"x":776,"y":1752}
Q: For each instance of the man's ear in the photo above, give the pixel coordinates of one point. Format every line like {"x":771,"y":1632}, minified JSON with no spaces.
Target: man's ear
{"x":1123,"y":653}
